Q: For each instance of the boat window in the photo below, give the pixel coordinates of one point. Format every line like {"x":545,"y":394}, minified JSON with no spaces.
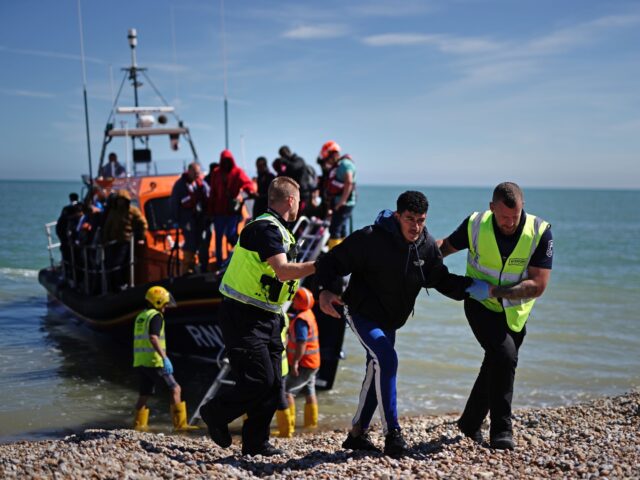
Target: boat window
{"x":158,"y":213}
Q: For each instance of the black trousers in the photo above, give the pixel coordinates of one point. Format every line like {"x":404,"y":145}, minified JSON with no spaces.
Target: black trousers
{"x":493,"y":390}
{"x":254,"y":346}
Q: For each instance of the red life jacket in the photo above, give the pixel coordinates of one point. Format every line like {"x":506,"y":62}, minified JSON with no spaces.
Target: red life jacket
{"x":311,"y":357}
{"x":333,"y":186}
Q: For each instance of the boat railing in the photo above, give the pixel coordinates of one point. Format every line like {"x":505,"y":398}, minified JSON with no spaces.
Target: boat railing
{"x":51,"y":244}
{"x":312,"y":235}
{"x":87,"y":268}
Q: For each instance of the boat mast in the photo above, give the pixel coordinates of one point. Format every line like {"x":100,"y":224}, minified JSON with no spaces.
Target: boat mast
{"x":224,"y":70}
{"x":84,"y":92}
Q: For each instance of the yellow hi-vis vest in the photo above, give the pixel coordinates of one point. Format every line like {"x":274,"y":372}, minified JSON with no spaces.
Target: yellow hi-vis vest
{"x":485,"y":263}
{"x":144,"y":355}
{"x":250,"y":280}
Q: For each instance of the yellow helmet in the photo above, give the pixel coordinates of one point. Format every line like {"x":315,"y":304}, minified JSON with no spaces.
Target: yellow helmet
{"x":159,"y":297}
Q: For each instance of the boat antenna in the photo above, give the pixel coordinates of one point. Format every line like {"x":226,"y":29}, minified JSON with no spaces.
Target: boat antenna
{"x":84,"y":91}
{"x":133,"y":71}
{"x":224,"y":70}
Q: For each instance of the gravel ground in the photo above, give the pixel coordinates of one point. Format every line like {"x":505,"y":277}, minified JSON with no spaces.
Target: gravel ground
{"x":595,"y":439}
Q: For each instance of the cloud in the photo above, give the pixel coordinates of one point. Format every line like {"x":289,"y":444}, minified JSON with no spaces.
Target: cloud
{"x":26,"y":93}
{"x":444,"y":43}
{"x":313,"y":32}
{"x":47,"y":54}
{"x":395,"y":9}
{"x":565,"y":39}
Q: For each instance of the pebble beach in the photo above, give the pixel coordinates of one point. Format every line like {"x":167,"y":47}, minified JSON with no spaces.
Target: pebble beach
{"x":598,"y":439}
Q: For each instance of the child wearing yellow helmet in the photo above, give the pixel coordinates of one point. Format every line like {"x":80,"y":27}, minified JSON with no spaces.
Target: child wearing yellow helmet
{"x":151,"y":361}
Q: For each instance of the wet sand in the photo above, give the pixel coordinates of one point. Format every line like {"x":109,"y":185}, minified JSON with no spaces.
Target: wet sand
{"x":595,"y":439}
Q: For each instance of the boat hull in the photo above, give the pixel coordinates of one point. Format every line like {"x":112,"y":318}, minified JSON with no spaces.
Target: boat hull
{"x":191,"y":327}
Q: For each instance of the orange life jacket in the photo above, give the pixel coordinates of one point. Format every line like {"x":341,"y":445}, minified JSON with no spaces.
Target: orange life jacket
{"x":311,"y":357}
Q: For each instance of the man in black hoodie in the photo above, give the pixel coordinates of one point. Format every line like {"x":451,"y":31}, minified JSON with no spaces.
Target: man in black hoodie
{"x":389,"y":262}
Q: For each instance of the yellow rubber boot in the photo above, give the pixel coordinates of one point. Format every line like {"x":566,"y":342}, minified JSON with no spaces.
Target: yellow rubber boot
{"x":310,"y":415}
{"x":141,"y":422}
{"x":179,"y":417}
{"x":284,"y":423}
{"x":292,"y":417}
{"x":333,"y":242}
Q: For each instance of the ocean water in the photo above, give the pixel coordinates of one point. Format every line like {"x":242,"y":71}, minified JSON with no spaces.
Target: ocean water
{"x":583,"y":339}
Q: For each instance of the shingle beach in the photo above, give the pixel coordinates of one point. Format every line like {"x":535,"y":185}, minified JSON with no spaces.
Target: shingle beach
{"x":591,"y":440}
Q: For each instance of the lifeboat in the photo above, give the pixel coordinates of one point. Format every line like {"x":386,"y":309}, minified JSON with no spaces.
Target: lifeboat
{"x":78,"y":283}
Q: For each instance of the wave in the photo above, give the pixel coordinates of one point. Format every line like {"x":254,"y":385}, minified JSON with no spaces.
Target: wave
{"x":18,"y":272}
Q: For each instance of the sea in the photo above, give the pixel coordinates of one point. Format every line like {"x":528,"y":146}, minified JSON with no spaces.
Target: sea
{"x":583,"y":339}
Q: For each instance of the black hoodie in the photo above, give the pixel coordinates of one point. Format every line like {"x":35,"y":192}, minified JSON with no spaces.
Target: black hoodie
{"x":387,"y":272}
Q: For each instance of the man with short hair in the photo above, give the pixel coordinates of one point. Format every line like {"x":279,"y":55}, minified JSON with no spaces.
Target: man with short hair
{"x":189,"y":198}
{"x":112,"y":169}
{"x":513,"y":252}
{"x":261,"y":277}
{"x":389,"y":262}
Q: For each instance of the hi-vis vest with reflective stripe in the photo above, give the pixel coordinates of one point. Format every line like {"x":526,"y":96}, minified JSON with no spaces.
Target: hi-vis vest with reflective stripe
{"x":485,"y":263}
{"x":144,"y":355}
{"x":311,"y":357}
{"x":244,"y":279}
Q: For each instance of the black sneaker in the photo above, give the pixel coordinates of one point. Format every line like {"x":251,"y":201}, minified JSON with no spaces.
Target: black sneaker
{"x":394,"y":444}
{"x":361,"y":442}
{"x":266,"y":450}
{"x":476,"y":435}
{"x":219,"y":433}
{"x":502,"y":441}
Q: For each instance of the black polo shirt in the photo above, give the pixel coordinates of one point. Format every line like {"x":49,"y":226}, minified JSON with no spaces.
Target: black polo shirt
{"x":263,"y":237}
{"x":542,"y":256}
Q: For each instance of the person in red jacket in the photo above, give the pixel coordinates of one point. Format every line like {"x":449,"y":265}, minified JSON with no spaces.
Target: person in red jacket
{"x":228,"y":181}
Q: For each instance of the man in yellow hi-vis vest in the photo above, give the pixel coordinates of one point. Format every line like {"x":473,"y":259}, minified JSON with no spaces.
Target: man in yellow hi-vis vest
{"x":261,"y":277}
{"x":512,"y":251}
{"x":151,"y":361}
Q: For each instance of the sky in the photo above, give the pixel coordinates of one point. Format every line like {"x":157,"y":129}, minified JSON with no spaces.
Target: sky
{"x":545,"y":93}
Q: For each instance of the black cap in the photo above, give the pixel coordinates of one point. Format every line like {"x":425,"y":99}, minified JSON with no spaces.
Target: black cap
{"x":73,"y":197}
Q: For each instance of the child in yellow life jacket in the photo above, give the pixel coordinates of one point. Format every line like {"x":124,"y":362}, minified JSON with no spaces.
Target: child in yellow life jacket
{"x":151,"y":361}
{"x":303,"y":352}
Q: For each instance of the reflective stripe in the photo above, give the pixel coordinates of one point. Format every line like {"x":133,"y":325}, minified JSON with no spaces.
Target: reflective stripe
{"x":146,"y":336}
{"x":241,"y":297}
{"x":144,"y":350}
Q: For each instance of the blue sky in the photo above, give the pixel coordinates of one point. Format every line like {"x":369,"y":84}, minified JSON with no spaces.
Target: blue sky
{"x":457,"y":92}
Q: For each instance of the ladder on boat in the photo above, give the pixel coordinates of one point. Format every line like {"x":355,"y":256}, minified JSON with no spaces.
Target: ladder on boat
{"x":312,"y":235}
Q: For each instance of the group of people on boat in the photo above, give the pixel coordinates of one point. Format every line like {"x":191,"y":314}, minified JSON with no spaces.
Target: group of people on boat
{"x":96,"y":236}
{"x":214,"y":203}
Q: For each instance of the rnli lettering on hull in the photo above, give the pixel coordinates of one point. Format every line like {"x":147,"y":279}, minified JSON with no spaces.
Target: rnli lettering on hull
{"x":206,"y":336}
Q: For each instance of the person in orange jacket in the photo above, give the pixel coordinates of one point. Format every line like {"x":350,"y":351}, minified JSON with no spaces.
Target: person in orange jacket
{"x":303,"y":352}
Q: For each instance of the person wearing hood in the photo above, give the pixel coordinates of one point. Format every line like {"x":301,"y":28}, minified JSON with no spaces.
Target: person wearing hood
{"x":228,"y":181}
{"x":123,"y":221}
{"x":389,"y":262}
